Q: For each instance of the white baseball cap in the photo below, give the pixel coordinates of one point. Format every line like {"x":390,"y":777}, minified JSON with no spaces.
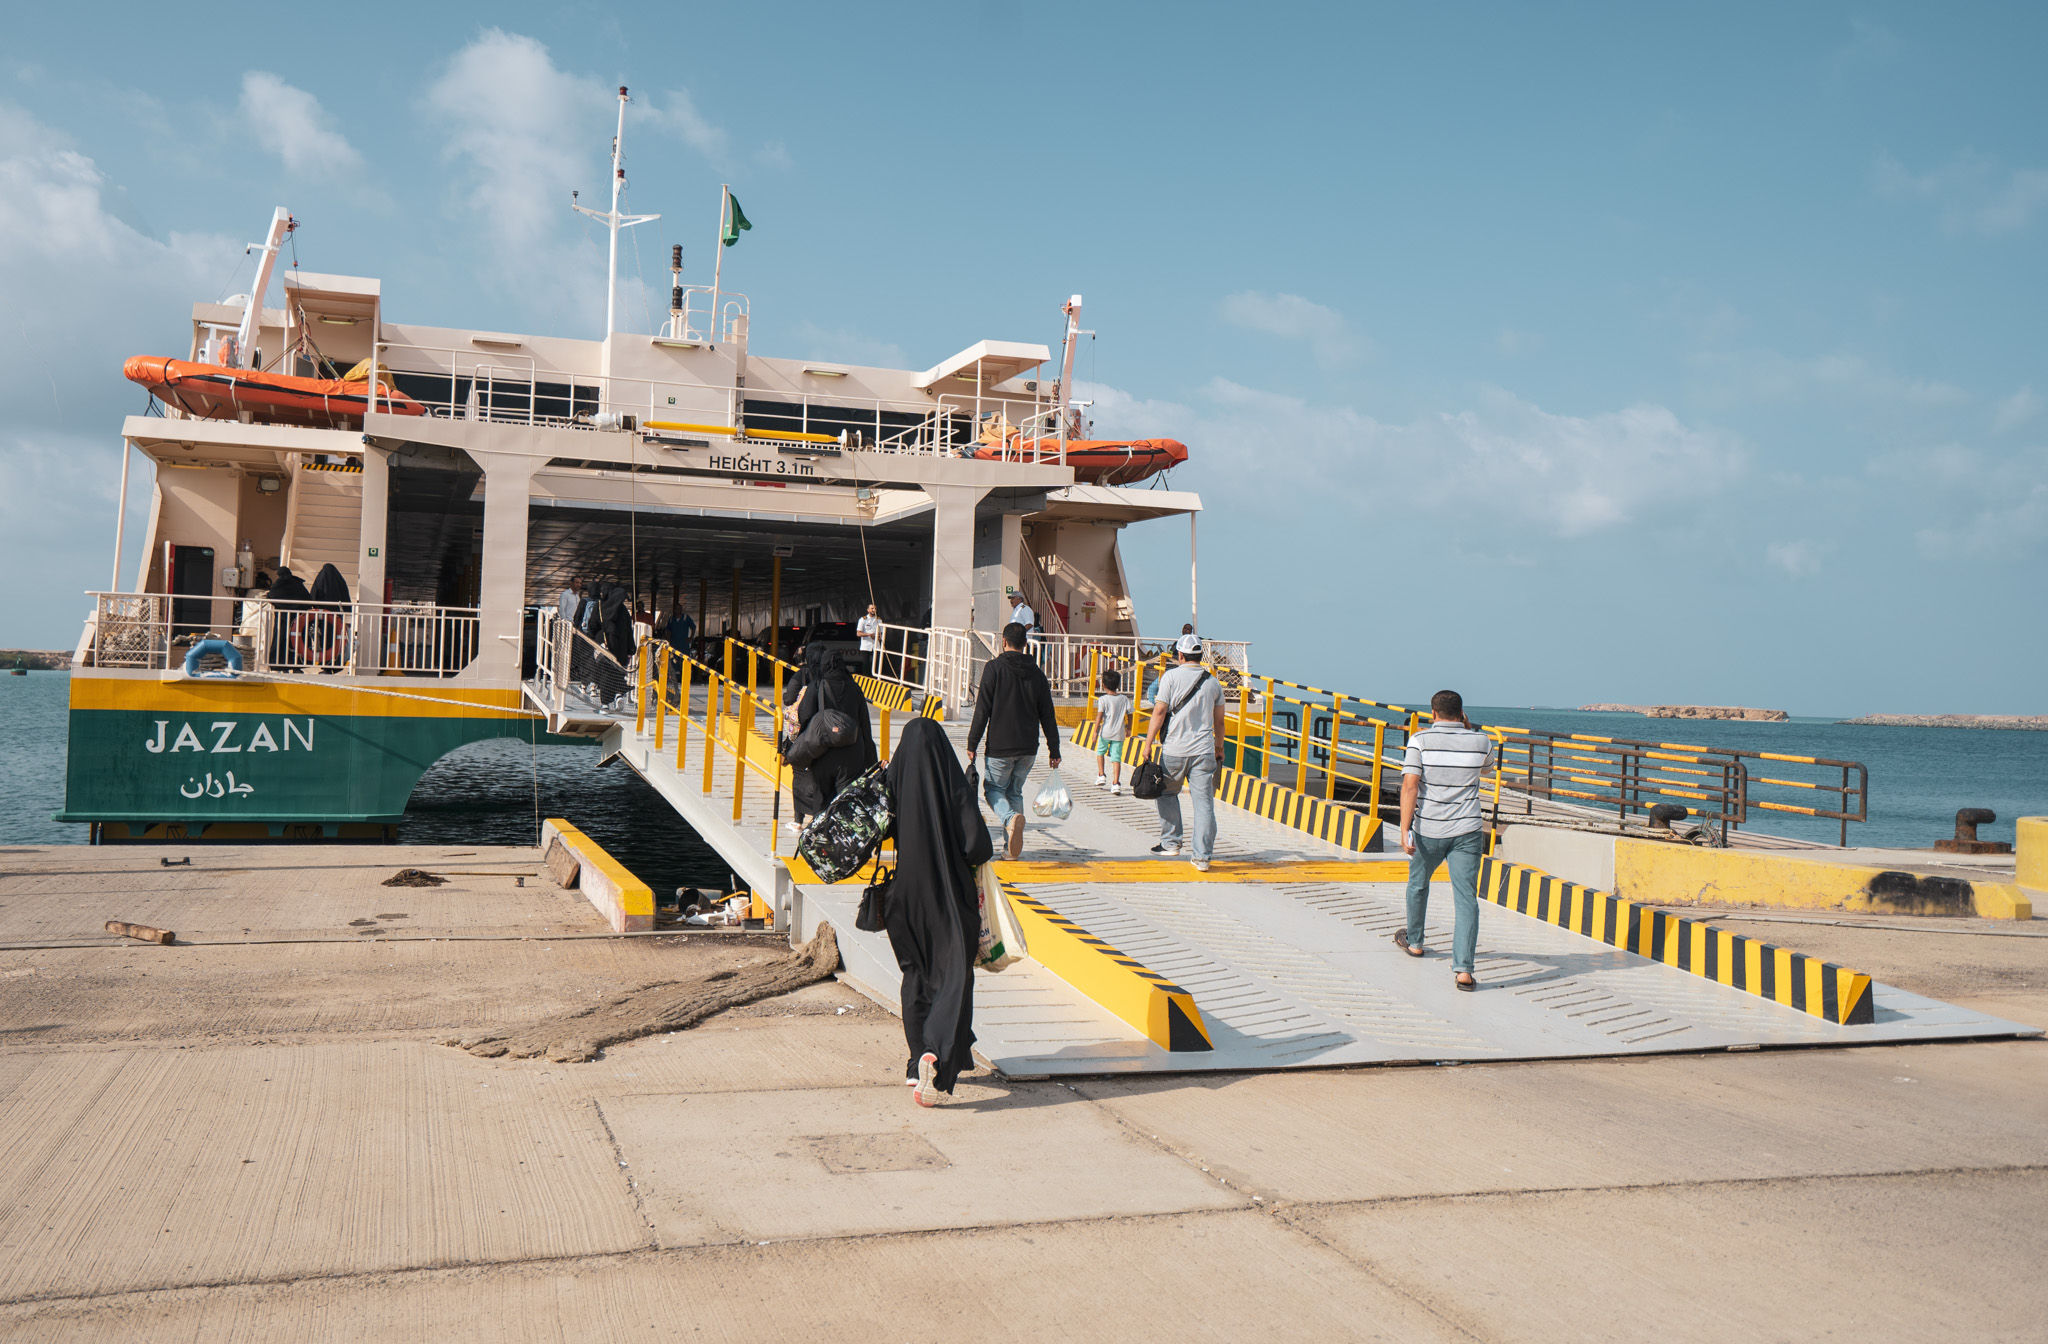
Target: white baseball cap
{"x":1188,"y":644}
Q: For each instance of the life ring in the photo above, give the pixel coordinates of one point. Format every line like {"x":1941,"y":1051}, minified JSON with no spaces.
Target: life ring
{"x":305,"y":643}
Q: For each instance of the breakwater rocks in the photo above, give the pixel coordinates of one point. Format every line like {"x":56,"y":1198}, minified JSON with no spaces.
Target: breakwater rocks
{"x":1697,"y":712}
{"x":2037,"y":722}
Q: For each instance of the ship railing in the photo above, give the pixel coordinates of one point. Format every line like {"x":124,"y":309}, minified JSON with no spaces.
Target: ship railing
{"x":155,"y":631}
{"x":707,"y":316}
{"x":902,"y":656}
{"x":506,"y":387}
{"x":1073,"y":662}
{"x":570,"y":666}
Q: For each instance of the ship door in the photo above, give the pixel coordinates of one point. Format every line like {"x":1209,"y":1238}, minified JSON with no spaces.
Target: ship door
{"x":191,"y":571}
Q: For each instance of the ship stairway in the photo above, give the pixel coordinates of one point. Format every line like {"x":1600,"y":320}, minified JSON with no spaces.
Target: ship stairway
{"x":1280,"y":956}
{"x":324,"y":524}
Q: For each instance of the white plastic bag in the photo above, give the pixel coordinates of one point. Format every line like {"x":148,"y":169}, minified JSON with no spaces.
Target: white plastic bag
{"x":1002,"y":942}
{"x":1053,"y":800}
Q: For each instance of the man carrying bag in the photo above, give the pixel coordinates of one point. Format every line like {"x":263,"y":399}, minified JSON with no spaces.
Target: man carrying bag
{"x":1187,"y":712}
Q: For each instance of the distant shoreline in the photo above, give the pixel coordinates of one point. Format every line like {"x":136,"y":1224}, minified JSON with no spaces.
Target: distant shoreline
{"x":38,"y":660}
{"x":2024,"y":722}
{"x":1740,"y":712}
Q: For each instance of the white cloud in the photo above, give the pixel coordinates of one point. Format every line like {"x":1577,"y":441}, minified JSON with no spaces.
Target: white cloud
{"x":66,"y":263}
{"x":1291,"y":317}
{"x":1503,"y":470}
{"x":1969,"y":504}
{"x":1797,"y":558}
{"x":290,"y":123}
{"x":1749,"y":377}
{"x":1973,"y":193}
{"x":525,"y":134}
{"x":1512,"y":342}
{"x":2016,"y":410}
{"x":774,"y":154}
{"x":681,"y":116}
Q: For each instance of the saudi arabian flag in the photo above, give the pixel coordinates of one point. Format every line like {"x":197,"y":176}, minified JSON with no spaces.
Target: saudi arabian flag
{"x":737,"y":222}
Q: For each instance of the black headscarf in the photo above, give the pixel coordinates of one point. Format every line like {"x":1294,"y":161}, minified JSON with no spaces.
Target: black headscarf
{"x":329,"y":588}
{"x":934,"y":915}
{"x":289,"y":587}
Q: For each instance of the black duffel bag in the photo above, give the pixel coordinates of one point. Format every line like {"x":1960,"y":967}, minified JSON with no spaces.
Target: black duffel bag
{"x":827,"y":730}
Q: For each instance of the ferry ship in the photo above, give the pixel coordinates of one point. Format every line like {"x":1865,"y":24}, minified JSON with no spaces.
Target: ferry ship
{"x":458,"y":480}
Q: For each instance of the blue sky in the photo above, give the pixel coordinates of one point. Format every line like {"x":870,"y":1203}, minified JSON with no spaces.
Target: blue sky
{"x":1558,"y":353}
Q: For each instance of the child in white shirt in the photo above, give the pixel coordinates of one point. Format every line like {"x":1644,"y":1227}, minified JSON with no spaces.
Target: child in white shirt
{"x":1112,"y":720}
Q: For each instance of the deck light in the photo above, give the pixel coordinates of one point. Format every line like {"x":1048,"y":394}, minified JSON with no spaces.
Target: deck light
{"x":822,"y":372}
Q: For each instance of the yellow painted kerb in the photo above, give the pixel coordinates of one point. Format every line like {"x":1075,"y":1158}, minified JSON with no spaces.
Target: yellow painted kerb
{"x":1162,"y":1010}
{"x":636,"y":898}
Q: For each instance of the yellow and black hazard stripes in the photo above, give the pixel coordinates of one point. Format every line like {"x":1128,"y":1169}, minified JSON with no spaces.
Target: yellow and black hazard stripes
{"x":1342,"y":826}
{"x":1147,"y":1000}
{"x":894,"y":698}
{"x":1833,"y":993}
{"x":882,"y":694}
{"x":1345,"y":827}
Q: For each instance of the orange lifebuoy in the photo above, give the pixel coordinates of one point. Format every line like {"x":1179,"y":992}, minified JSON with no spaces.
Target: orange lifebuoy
{"x":304,"y":641}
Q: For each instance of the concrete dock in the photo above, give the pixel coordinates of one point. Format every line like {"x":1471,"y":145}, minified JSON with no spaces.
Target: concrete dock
{"x":252,"y":1134}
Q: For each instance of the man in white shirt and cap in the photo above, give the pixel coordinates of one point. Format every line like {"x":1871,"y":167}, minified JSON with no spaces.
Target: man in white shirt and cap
{"x":1189,"y":703}
{"x":1020,"y":610}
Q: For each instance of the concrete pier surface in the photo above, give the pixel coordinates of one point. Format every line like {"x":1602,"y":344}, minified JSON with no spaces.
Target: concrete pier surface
{"x":254,"y":1134}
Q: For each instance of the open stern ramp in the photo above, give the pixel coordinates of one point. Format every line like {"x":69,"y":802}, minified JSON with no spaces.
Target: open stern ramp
{"x":1281,"y":956}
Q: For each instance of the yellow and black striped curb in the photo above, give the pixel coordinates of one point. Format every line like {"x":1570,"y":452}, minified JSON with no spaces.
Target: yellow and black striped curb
{"x":1832,"y":993}
{"x":894,"y":698}
{"x":1147,"y":1000}
{"x":1345,"y":827}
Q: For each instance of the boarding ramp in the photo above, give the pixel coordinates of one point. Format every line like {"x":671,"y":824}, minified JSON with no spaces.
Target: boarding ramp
{"x":1281,"y":955}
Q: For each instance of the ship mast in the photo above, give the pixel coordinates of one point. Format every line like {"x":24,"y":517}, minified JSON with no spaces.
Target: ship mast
{"x":1072,"y":308}
{"x":613,"y":220}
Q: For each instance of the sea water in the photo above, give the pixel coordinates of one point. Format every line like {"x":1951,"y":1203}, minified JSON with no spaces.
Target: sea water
{"x":491,"y":792}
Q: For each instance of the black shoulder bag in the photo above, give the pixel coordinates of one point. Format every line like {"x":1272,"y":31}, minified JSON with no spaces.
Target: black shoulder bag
{"x":874,"y":903}
{"x":1149,"y":779}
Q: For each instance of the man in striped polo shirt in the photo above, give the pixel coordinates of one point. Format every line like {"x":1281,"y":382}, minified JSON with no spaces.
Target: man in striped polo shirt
{"x":1441,"y":824}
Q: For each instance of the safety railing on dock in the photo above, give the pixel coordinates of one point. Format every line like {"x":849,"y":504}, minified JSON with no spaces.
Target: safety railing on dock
{"x":1350,"y":748}
{"x":741,"y":716}
{"x":157,"y":630}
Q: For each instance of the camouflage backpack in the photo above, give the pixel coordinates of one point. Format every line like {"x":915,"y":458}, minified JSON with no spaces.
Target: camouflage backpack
{"x":853,"y":825}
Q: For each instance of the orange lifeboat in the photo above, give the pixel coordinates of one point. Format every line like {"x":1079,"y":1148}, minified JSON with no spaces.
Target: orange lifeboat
{"x":214,"y":392}
{"x":1096,"y":461}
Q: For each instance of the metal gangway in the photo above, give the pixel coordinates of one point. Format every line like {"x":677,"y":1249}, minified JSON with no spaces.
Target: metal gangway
{"x":1278,"y":956}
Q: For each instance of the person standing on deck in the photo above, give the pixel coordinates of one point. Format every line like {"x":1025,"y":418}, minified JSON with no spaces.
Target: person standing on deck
{"x":1013,"y":707}
{"x":1020,"y":610}
{"x":1189,"y":703}
{"x":869,"y":628}
{"x":569,"y":603}
{"x":1441,"y":824}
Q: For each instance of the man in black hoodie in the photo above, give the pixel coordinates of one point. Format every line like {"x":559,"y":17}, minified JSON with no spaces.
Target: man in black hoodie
{"x":1013,"y":706}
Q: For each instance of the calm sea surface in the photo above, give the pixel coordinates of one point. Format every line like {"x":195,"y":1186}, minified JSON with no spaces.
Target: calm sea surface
{"x":485,"y":794}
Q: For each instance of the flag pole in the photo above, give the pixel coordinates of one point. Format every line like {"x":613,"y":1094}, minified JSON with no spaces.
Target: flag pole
{"x":718,"y":266}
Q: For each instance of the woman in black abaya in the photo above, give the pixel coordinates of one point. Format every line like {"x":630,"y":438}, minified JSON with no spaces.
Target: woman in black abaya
{"x":828,"y":685}
{"x":934,"y":918}
{"x":288,"y":599}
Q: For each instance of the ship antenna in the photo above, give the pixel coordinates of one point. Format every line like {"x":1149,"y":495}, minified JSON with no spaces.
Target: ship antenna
{"x":613,"y":220}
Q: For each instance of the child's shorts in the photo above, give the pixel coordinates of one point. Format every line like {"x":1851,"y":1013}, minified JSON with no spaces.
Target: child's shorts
{"x":1110,"y":751}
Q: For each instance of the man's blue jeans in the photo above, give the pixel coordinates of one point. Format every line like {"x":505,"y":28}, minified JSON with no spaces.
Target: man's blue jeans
{"x":1200,"y":773}
{"x":1462,"y":853}
{"x":1002,"y":783}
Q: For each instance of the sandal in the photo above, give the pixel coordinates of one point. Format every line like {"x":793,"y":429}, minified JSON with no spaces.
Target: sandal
{"x":1468,"y":984}
{"x":1401,"y":941}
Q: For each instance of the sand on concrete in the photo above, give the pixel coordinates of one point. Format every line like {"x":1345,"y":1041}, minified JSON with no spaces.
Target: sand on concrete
{"x":256,"y":1140}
